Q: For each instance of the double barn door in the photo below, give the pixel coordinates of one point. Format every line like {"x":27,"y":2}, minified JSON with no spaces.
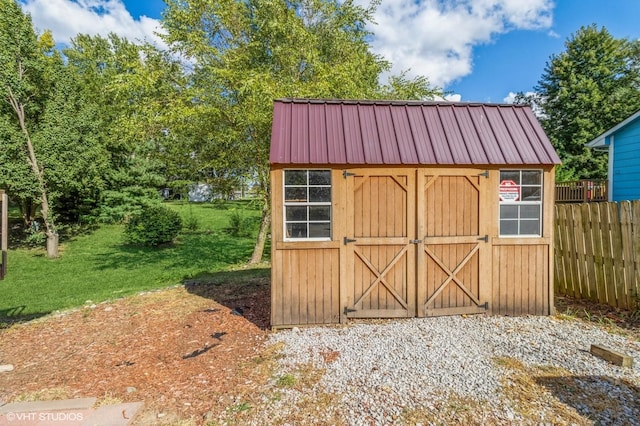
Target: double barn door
{"x":416,"y":242}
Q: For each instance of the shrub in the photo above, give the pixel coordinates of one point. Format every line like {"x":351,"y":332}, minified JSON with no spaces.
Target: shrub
{"x":153,"y":226}
{"x":241,"y":225}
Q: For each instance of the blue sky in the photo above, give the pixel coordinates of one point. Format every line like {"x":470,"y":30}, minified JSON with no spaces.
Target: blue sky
{"x":478,"y":50}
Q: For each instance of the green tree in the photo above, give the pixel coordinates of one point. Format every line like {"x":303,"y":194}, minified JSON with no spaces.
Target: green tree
{"x":137,"y":89}
{"x":245,"y":53}
{"x":47,"y":150}
{"x":588,"y":88}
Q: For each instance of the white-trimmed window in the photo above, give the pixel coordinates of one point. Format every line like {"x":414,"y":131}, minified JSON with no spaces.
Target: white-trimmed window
{"x":307,"y":204}
{"x":521,"y":203}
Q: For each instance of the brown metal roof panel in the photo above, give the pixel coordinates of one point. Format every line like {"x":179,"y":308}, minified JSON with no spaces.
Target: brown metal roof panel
{"x":300,"y":134}
{"x":352,"y":135}
{"x":280,"y":142}
{"x":454,"y":136}
{"x":540,"y":142}
{"x":387,"y":134}
{"x":503,"y":137}
{"x":485,"y":134}
{"x":437,"y":136}
{"x":406,"y":142}
{"x":370,"y":138}
{"x":335,"y":135}
{"x":470,"y":136}
{"x":318,"y":150}
{"x":518,"y":136}
{"x":422,"y":141}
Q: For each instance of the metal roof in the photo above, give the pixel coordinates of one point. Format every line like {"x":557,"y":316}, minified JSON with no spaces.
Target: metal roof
{"x":350,"y":132}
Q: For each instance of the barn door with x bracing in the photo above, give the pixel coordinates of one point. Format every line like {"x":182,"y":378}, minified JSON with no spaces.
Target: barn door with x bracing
{"x":381,"y":223}
{"x":453,"y":244}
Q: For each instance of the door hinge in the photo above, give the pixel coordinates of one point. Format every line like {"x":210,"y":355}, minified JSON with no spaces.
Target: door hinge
{"x":346,"y":174}
{"x":347,"y":311}
{"x":347,"y":241}
{"x":415,"y":241}
{"x":485,"y":239}
{"x":485,"y":174}
{"x":484,"y":306}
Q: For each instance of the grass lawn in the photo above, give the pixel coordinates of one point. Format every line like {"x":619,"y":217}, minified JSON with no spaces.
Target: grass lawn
{"x":98,"y":266}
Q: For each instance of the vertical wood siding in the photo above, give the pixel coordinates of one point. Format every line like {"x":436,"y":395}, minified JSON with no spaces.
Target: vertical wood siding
{"x":416,"y":247}
{"x":305,"y":288}
{"x":521,"y":279}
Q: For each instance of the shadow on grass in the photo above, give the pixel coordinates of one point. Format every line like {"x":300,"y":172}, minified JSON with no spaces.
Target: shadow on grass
{"x":16,"y":315}
{"x":604,"y":400}
{"x":246,"y":292}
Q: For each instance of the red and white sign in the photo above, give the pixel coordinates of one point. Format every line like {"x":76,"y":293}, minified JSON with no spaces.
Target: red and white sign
{"x":509,"y":191}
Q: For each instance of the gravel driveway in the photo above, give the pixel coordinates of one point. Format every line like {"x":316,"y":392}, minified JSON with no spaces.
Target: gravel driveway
{"x":472,"y":370}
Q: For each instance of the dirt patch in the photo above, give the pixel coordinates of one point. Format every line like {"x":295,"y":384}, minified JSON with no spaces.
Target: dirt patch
{"x":617,"y":320}
{"x":187,"y":356}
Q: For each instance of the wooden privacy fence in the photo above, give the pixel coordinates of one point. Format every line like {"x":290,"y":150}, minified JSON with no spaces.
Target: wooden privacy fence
{"x":597,"y":252}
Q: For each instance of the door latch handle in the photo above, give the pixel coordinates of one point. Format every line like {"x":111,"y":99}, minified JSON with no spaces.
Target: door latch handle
{"x":415,"y":241}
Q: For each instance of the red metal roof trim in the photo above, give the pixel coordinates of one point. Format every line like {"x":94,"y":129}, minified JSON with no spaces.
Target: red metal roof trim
{"x":347,"y":132}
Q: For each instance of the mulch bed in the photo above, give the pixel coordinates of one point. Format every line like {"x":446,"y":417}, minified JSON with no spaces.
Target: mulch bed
{"x":183,"y":354}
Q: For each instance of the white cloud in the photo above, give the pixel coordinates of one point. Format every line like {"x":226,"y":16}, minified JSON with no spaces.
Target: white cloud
{"x":67,"y":18}
{"x":436,"y":38}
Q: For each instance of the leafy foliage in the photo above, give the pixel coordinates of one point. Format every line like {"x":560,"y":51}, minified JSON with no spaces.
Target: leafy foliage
{"x":241,"y":225}
{"x":247,"y":53}
{"x":585,"y":90}
{"x":153,"y":226}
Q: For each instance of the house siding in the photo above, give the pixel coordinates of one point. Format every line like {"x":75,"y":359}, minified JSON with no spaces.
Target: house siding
{"x":625,"y":179}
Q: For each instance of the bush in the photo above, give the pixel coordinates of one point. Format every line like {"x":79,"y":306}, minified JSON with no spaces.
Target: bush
{"x":241,"y":225}
{"x":153,"y":226}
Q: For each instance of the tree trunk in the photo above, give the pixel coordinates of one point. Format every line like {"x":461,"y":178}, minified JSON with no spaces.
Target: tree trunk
{"x":265,"y":226}
{"x":32,"y":160}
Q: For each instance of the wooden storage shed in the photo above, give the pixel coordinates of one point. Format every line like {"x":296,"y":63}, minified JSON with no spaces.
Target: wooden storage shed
{"x":384,"y":209}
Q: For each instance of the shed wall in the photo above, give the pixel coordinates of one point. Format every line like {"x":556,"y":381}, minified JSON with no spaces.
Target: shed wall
{"x":312,"y":280}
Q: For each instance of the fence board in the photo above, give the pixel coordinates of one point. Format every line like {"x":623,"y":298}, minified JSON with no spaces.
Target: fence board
{"x":627,"y":247}
{"x":597,"y":252}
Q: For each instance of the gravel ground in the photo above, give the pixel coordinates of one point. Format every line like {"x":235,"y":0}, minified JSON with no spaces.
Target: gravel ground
{"x":498,"y":370}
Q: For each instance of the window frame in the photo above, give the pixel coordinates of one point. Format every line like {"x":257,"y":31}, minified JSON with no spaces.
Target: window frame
{"x":519,"y":203}
{"x":307,"y":204}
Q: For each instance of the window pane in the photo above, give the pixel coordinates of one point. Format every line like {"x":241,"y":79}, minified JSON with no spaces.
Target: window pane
{"x":295,"y":194}
{"x":530,"y":227}
{"x":319,"y":230}
{"x":319,"y":177}
{"x":508,"y":212}
{"x":508,"y":227}
{"x":531,"y":177}
{"x":531,"y":193}
{"x":295,"y":177}
{"x":530,"y":212}
{"x":296,"y":213}
{"x":296,"y":230}
{"x":319,"y":194}
{"x":319,"y":213}
{"x":513,"y":175}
